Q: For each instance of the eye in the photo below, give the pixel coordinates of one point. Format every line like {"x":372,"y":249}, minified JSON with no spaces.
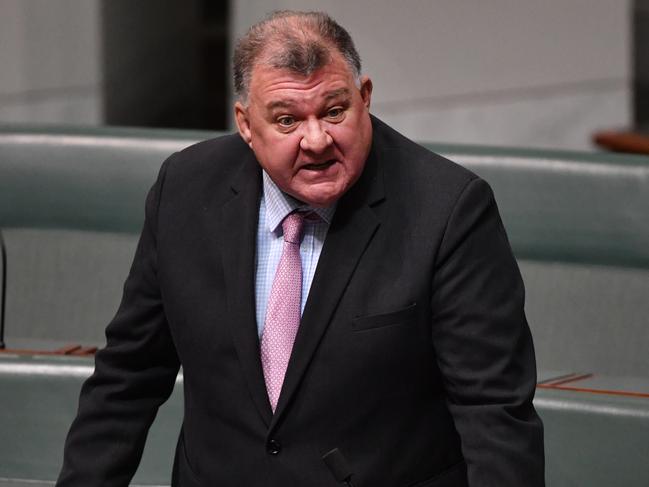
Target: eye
{"x":285,"y":121}
{"x":335,"y":112}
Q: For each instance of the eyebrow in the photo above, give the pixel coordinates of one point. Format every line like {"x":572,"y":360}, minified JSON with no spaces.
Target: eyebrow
{"x":289,"y":103}
{"x":336,"y":93}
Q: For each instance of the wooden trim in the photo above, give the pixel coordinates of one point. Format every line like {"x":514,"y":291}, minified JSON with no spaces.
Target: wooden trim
{"x":551,"y":380}
{"x":595,"y":391}
{"x":572,"y":378}
{"x":68,"y":350}
{"x":621,"y":141}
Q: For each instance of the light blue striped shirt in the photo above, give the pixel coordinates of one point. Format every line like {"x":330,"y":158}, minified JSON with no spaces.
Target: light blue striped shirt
{"x":273,"y":208}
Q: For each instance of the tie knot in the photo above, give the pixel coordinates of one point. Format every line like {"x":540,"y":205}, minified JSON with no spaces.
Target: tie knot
{"x":292,"y":226}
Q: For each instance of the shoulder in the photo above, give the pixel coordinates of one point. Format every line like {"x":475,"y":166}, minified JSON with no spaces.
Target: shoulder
{"x":205,"y":174}
{"x":218,"y":154}
{"x":418,"y":175}
{"x":210,"y":165}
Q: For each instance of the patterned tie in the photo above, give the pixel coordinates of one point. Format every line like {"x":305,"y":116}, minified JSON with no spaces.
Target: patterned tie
{"x":283,"y":310}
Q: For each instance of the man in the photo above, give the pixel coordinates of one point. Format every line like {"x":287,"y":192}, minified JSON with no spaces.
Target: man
{"x":411,"y":360}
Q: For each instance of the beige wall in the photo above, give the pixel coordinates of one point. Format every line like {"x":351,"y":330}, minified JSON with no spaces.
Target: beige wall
{"x":50,"y":52}
{"x":514,"y":72}
{"x":510,"y":72}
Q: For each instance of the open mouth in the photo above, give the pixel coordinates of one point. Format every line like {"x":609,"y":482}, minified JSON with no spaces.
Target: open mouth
{"x":319,"y":166}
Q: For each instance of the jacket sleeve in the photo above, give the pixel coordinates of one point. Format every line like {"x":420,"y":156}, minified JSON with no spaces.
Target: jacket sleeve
{"x":484,"y":346}
{"x":134,"y":374}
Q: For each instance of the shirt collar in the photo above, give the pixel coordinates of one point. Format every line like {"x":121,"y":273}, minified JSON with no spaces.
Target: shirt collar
{"x":279,"y":204}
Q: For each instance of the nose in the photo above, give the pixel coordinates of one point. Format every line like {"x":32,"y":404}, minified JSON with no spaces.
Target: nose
{"x":315,"y":138}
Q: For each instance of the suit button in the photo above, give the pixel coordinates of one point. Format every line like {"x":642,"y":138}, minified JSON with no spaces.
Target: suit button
{"x":273,"y":447}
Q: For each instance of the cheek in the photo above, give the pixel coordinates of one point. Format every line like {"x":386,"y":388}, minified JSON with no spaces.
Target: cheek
{"x":352,"y":147}
{"x":276,"y":154}
{"x":343,"y":137}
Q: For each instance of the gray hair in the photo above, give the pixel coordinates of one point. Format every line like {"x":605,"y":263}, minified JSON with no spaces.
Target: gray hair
{"x":298,"y":41}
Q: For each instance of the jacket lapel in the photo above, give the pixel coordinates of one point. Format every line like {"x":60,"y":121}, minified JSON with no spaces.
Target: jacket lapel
{"x":351,"y":231}
{"x":239,"y":217}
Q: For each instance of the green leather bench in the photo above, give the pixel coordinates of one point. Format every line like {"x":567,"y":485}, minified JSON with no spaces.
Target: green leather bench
{"x":71,"y":204}
{"x":38,"y":404}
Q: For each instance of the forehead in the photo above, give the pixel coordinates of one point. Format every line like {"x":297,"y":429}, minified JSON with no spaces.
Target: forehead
{"x":269,"y":84}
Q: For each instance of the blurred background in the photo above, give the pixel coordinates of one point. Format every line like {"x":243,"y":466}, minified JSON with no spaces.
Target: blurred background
{"x":529,"y":75}
{"x":500,"y":72}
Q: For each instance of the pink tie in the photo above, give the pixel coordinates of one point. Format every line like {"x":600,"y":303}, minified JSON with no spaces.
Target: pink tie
{"x":283,"y":310}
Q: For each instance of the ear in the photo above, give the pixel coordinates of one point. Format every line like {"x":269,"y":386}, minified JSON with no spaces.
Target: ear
{"x":243,"y":123}
{"x":366,"y":90}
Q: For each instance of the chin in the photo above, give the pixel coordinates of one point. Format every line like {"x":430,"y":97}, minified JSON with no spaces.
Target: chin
{"x":320,"y":199}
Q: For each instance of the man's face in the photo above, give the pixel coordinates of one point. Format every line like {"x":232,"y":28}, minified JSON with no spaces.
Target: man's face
{"x":311,"y":134}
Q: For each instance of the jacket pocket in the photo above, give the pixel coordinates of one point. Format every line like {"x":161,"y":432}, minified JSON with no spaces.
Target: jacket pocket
{"x":454,"y":476}
{"x":392,"y":318}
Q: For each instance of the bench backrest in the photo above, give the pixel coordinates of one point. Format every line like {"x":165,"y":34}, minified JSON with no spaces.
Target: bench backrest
{"x":71,"y":204}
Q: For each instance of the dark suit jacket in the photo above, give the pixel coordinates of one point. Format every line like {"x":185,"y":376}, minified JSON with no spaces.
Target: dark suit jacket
{"x":413,"y":356}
